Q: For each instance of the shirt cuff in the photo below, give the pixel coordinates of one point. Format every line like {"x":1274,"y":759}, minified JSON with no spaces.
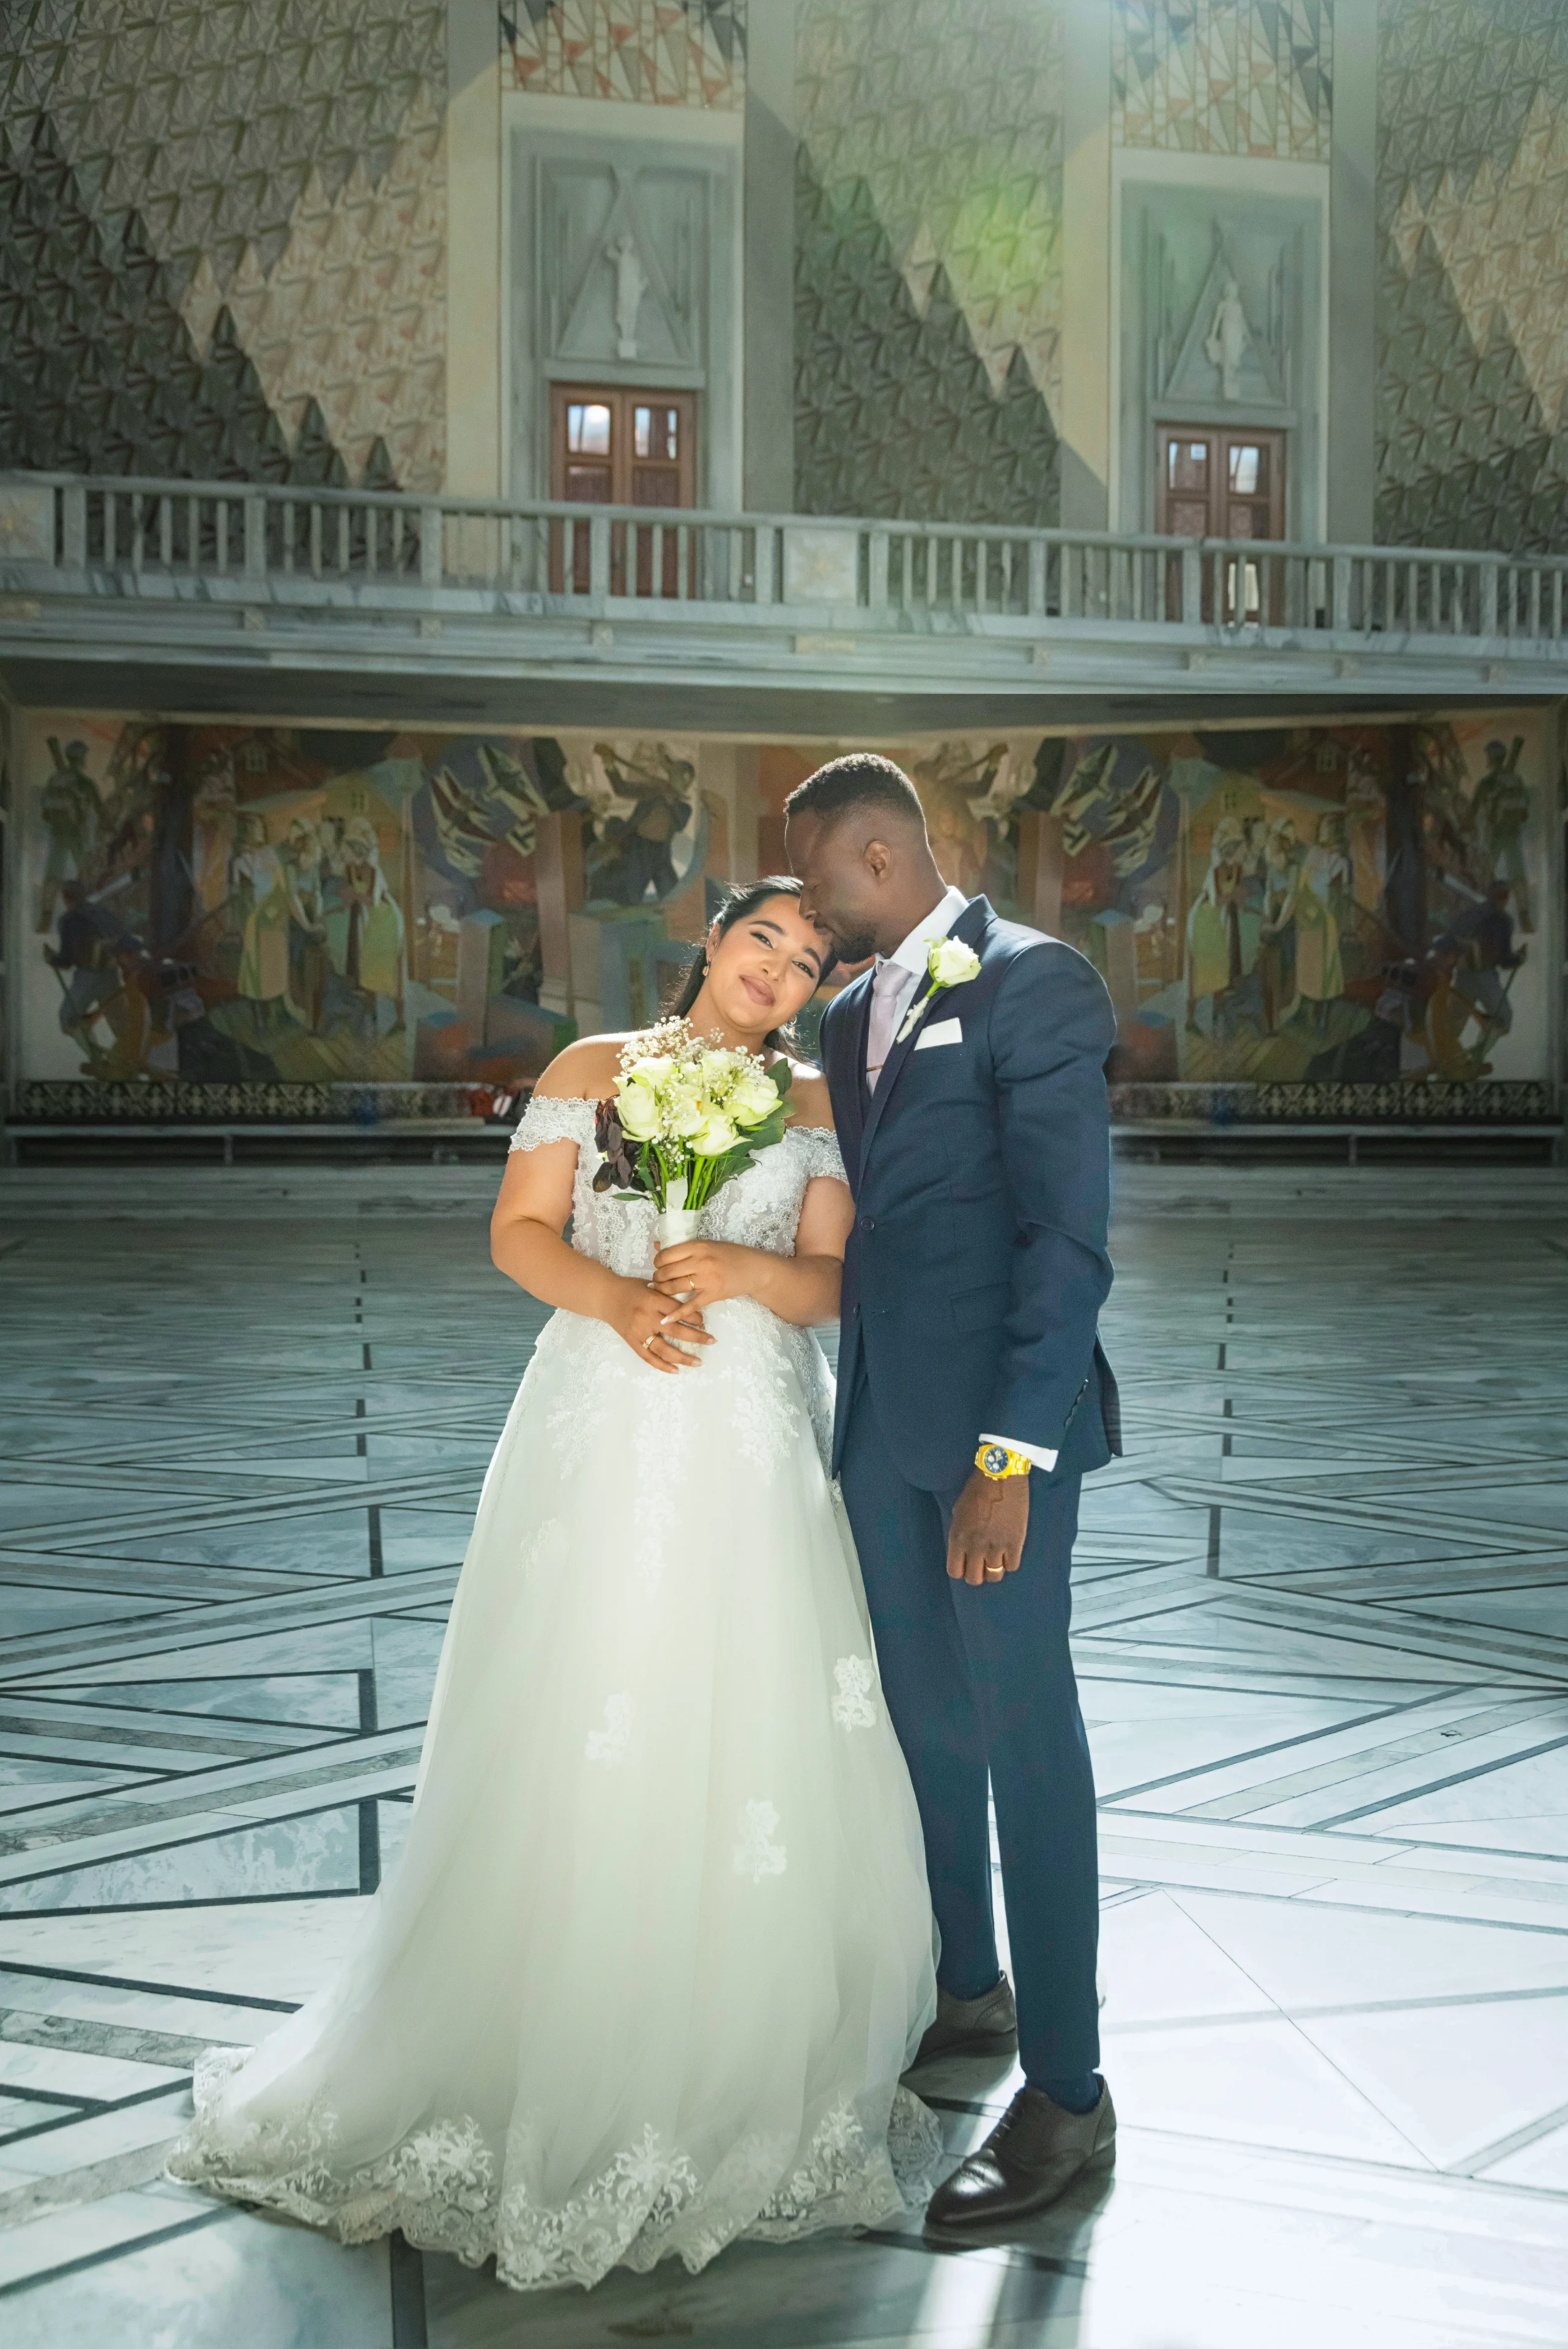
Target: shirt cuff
{"x":1035,"y":1451}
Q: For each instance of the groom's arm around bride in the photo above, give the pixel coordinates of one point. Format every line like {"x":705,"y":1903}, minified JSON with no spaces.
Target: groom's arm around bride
{"x":969,"y":1093}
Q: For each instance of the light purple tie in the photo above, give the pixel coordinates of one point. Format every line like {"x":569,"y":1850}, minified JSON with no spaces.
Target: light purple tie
{"x":886,"y":994}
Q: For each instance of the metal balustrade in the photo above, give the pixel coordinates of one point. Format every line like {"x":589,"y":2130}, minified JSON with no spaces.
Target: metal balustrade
{"x":889,"y":574}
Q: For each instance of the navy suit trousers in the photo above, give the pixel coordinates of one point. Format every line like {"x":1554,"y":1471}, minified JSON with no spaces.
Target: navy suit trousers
{"x":981,"y":1691}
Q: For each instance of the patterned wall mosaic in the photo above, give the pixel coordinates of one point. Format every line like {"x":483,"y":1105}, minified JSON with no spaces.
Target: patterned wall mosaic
{"x":650,"y":52}
{"x":928,"y":257}
{"x":222,"y":238}
{"x":1223,"y":77}
{"x":1473,"y":190}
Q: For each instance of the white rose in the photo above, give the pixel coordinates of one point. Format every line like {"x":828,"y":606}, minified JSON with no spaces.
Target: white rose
{"x":951,"y":963}
{"x":716,"y":1068}
{"x":715,"y":1137}
{"x":638,"y":1109}
{"x":650,"y":1072}
{"x":753,"y":1099}
{"x":683,"y":1113}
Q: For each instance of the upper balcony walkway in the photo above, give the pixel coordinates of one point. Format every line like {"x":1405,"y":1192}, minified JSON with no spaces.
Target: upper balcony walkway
{"x":231,"y":594}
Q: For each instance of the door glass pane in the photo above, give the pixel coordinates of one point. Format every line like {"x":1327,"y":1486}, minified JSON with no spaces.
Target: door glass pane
{"x":1187,"y":464}
{"x":1239,"y":522}
{"x":655,"y":433}
{"x":1248,"y":471}
{"x":1188,"y":519}
{"x":588,"y":429}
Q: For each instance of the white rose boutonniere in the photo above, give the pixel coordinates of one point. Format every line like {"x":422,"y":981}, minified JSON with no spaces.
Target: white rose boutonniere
{"x":950,"y":964}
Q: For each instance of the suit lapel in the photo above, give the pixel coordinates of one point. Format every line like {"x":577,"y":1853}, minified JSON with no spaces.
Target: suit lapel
{"x":856,"y":1016}
{"x":967,"y":927}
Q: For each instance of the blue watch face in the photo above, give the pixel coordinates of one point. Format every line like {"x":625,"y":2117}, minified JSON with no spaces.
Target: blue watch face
{"x":995,"y":1458}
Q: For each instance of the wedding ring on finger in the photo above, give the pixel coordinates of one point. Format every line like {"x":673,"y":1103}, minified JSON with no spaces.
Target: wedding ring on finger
{"x":995,"y":1573}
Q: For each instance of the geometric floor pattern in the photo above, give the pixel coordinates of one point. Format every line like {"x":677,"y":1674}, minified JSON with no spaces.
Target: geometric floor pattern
{"x":1322,"y":1631}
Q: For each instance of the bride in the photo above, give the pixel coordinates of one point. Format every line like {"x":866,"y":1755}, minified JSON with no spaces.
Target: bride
{"x":661,"y":1943}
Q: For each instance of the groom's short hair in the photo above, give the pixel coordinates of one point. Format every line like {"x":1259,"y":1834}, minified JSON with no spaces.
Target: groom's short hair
{"x":859,"y":779}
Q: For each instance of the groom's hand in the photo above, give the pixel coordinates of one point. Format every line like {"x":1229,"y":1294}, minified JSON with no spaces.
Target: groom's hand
{"x":990,"y":1520}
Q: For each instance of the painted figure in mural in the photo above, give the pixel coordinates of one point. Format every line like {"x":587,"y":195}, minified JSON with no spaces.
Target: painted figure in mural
{"x":1485,"y":976}
{"x":1501,"y":809}
{"x":1321,"y":874}
{"x":85,"y":962}
{"x":260,"y":889}
{"x":308,"y":960}
{"x":1448,"y":1013}
{"x":71,"y":810}
{"x":1366,"y":831}
{"x":641,"y":799}
{"x":659,"y":1945}
{"x":1276,"y":926}
{"x":364,"y":927}
{"x":1223,"y":931}
{"x":1226,"y":343}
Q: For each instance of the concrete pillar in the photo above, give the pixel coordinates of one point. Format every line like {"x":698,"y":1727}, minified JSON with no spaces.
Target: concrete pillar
{"x":473,"y":297}
{"x":767,"y":462}
{"x":1084,"y":425}
{"x":1353,"y":275}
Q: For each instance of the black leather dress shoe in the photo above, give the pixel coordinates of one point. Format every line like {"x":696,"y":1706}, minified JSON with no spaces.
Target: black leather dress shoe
{"x":972,"y":2026}
{"x":1029,"y":2160}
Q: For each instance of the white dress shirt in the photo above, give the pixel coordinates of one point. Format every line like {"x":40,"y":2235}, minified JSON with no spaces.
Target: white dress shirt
{"x":897,"y":976}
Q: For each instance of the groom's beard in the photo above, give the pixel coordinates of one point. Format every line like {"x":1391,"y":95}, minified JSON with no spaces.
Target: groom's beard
{"x":858,"y":947}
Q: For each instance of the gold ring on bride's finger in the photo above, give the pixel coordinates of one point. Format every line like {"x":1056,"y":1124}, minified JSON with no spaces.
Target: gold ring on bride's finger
{"x":995,"y":1573}
{"x":649,"y":1339}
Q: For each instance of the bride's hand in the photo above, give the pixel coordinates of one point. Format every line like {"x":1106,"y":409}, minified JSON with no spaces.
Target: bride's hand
{"x":703,"y":1272}
{"x":651,"y":1327}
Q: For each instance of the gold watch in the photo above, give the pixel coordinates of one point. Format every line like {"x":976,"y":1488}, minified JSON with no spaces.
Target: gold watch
{"x":995,"y":1460}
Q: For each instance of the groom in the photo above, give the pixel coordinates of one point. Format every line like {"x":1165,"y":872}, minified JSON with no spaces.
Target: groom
{"x":968,"y":1093}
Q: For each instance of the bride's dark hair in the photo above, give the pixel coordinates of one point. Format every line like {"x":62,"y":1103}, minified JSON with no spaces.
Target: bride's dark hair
{"x":736,"y":908}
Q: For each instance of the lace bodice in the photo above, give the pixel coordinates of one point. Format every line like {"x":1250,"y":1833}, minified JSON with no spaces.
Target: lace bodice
{"x":760,"y":1209}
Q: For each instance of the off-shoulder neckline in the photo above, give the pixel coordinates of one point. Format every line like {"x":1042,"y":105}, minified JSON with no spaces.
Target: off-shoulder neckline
{"x":591,"y":1101}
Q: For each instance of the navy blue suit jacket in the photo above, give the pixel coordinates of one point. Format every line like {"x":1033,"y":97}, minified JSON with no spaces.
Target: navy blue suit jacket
{"x":977,"y":1265}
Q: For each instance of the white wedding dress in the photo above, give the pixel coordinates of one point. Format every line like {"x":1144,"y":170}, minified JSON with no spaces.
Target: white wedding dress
{"x":661,"y":1943}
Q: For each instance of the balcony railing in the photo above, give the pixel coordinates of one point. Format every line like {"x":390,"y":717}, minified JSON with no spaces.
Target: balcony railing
{"x":260,"y":538}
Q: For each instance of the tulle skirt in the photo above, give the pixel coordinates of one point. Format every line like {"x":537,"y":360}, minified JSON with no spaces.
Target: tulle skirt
{"x":660,"y":1942}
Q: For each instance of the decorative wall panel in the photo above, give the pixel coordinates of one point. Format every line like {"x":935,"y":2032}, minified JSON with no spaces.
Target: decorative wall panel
{"x":222,"y":238}
{"x":1223,"y":77}
{"x":1472,"y":193}
{"x":648,"y":52}
{"x":928,"y":257}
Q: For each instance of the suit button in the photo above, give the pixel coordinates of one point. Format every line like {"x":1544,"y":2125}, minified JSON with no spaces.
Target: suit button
{"x":868,"y":1223}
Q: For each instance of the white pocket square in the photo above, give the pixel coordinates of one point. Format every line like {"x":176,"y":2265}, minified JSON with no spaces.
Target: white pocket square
{"x":941,"y":1031}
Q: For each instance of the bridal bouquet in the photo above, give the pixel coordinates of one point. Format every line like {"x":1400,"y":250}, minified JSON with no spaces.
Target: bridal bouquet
{"x":687,"y":1117}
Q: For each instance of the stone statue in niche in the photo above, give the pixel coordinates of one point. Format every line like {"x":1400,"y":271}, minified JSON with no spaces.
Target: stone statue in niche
{"x":630,"y":285}
{"x":1228,"y":339}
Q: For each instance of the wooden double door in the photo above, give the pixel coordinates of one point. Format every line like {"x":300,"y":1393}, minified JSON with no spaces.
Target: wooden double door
{"x":1221,"y":480}
{"x":610,"y":446}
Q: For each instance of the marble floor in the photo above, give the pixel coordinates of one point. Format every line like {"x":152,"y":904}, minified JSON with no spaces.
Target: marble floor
{"x":1322,"y":1633}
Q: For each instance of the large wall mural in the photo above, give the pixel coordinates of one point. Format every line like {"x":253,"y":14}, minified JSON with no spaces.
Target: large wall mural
{"x":225,"y":240}
{"x":928,"y":268}
{"x":260,"y":907}
{"x":1350,"y":906}
{"x":245,"y":905}
{"x":1473,"y":205}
